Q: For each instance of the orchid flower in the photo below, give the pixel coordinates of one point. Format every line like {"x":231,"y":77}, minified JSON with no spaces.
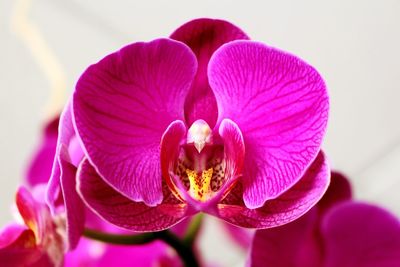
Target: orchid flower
{"x":336,"y":232}
{"x":37,"y":243}
{"x":200,"y":122}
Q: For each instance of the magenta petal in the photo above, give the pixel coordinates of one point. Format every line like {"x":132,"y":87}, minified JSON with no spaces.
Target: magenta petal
{"x":234,"y":148}
{"x":280,"y":104}
{"x":295,"y":244}
{"x":39,"y":169}
{"x":242,"y":236}
{"x":33,"y":213}
{"x":123,"y":212}
{"x":204,"y":36}
{"x":44,"y":235}
{"x":97,"y":254}
{"x":66,"y":133}
{"x":123,"y":104}
{"x":18,"y":244}
{"x":74,"y":208}
{"x":149,"y":255}
{"x":11,"y":233}
{"x":20,"y":249}
{"x":339,"y":190}
{"x":361,"y":235}
{"x":182,"y":227}
{"x":284,"y":209}
{"x":234,"y":151}
{"x":170,"y":146}
{"x":21,"y":257}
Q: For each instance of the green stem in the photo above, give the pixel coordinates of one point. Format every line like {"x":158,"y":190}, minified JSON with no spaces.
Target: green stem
{"x":138,"y":239}
{"x":193,"y":230}
{"x":184,"y":250}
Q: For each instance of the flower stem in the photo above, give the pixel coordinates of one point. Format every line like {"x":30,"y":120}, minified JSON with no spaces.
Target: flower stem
{"x":116,"y":239}
{"x":183,"y":249}
{"x":193,"y":230}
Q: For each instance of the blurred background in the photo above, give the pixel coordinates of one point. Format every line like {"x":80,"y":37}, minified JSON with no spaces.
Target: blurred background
{"x":46,"y":44}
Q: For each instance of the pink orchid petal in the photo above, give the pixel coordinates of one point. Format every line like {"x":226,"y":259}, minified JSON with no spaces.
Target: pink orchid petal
{"x":32,"y":212}
{"x":95,"y":222}
{"x":37,"y":218}
{"x":75,"y":151}
{"x":24,"y":239}
{"x":234,"y":149}
{"x":280,"y":104}
{"x":148,"y":255}
{"x":294,"y":244}
{"x":74,"y":207}
{"x":284,"y":209}
{"x":66,"y":134}
{"x":181,"y":228}
{"x":242,"y":236}
{"x":362,"y":235}
{"x":44,"y":261}
{"x":39,"y":193}
{"x":39,"y":169}
{"x":18,"y":246}
{"x":204,"y":36}
{"x":339,"y":190}
{"x":10,"y":233}
{"x":92,"y":253}
{"x":88,"y":253}
{"x":123,"y":212}
{"x":170,"y":146}
{"x":22,"y":257}
{"x":123,"y":104}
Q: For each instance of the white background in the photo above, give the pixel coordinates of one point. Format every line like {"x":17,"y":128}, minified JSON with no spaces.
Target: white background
{"x":354,"y":44}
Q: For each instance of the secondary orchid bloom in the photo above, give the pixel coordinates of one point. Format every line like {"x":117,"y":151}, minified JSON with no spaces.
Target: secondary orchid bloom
{"x":336,"y":232}
{"x":198,"y":122}
{"x":37,"y":243}
{"x":91,"y":253}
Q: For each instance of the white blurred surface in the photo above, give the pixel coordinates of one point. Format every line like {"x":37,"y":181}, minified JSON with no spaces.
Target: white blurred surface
{"x":354,"y":45}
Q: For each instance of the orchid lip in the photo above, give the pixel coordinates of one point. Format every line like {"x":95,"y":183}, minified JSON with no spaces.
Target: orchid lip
{"x":198,"y":170}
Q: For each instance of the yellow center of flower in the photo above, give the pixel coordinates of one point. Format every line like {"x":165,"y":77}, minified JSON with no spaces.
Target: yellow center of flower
{"x":200,"y":183}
